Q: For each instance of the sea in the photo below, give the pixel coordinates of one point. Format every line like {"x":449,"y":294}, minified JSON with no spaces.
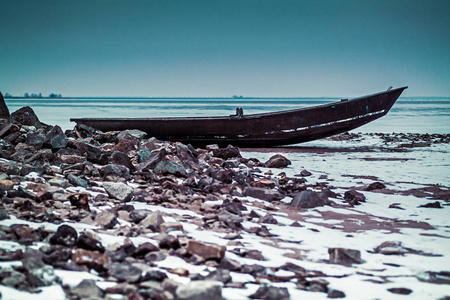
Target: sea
{"x":408,"y":115}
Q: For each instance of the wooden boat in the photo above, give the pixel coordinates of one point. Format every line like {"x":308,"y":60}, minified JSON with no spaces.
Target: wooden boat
{"x":260,"y":130}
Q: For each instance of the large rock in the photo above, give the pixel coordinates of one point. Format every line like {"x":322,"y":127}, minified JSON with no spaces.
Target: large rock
{"x":309,"y":199}
{"x":200,"y":290}
{"x":38,"y":273}
{"x":87,"y":289}
{"x":106,"y":219}
{"x":92,"y":259}
{"x":343,"y":256}
{"x":65,"y":235}
{"x":151,"y":221}
{"x":25,"y":116}
{"x":118,"y":190}
{"x":206,"y":251}
{"x":226,"y":153}
{"x":271,"y":292}
{"x":56,"y":138}
{"x":262,"y":193}
{"x":277,"y":161}
{"x":121,"y":158}
{"x":4,"y":111}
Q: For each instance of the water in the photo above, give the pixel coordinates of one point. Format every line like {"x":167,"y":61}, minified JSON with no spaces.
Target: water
{"x":408,"y":115}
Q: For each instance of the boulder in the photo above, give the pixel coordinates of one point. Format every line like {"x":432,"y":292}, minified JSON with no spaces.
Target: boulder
{"x":343,"y":256}
{"x":354,"y":197}
{"x":277,"y":161}
{"x":152,"y":220}
{"x":200,"y":290}
{"x":4,"y":111}
{"x":87,"y":289}
{"x":206,"y":251}
{"x":270,"y":292}
{"x":77,"y":181}
{"x":118,"y":190}
{"x":35,"y":140}
{"x":121,"y":158}
{"x":262,"y":193}
{"x":226,"y":153}
{"x":25,"y":116}
{"x":309,"y":199}
{"x":65,"y":235}
{"x":38,"y":273}
{"x":106,"y":219}
{"x":56,"y":138}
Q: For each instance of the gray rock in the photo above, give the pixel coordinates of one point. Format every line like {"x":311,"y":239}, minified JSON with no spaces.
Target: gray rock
{"x":271,"y":292}
{"x":38,"y":273}
{"x":335,"y":294}
{"x":106,"y":219}
{"x":25,"y":116}
{"x":3,"y":214}
{"x":87,"y":289}
{"x":134,"y":133}
{"x":277,"y":161}
{"x":65,"y":235}
{"x":309,"y":199}
{"x":343,"y":256}
{"x":152,"y":221}
{"x":35,"y":140}
{"x":111,"y":171}
{"x":200,"y":290}
{"x":77,"y":181}
{"x":56,"y":138}
{"x":121,"y":158}
{"x":4,"y":111}
{"x":124,"y":272}
{"x":206,"y":251}
{"x":118,"y":190}
{"x":262,"y":193}
{"x":60,"y":182}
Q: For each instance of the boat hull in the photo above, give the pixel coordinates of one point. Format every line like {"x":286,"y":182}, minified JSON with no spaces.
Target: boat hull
{"x":260,"y":130}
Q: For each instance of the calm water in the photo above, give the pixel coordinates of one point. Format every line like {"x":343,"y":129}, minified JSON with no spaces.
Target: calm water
{"x":416,"y":115}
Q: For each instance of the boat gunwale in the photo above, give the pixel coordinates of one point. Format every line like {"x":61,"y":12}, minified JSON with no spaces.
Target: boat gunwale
{"x":251,"y":116}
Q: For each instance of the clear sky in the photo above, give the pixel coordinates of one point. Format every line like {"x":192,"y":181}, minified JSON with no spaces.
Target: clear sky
{"x":266,"y":48}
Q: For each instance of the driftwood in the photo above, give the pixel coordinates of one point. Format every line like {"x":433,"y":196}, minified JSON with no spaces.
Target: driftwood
{"x":4,"y":112}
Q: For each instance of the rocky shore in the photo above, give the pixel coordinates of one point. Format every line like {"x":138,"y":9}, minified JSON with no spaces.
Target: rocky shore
{"x":119,"y":215}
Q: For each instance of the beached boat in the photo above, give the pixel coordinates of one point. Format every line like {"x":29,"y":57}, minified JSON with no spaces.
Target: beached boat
{"x":260,"y":130}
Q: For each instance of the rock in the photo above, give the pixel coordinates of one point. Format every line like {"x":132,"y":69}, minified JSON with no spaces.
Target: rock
{"x":25,"y":116}
{"x":309,"y":199}
{"x":268,"y":219}
{"x":167,"y":227}
{"x":106,"y":219}
{"x":80,"y":201}
{"x":25,"y":234}
{"x":35,"y":140}
{"x":56,"y":138}
{"x":375,"y":186}
{"x":222,"y":275}
{"x":396,"y":206}
{"x":206,"y":251}
{"x":400,"y":291}
{"x":59,"y":182}
{"x":151,"y":221}
{"x":145,"y":248}
{"x":121,"y":158}
{"x":200,"y":290}
{"x":65,"y":235}
{"x":38,"y":274}
{"x":305,"y":173}
{"x":6,"y":184}
{"x":343,"y":256}
{"x":124,"y":272}
{"x":122,"y":288}
{"x":271,"y":292}
{"x":88,"y":242}
{"x":436,"y":204}
{"x":4,"y":111}
{"x":171,"y":165}
{"x":277,"y":161}
{"x":77,"y":181}
{"x":118,"y":190}
{"x":226,"y":153}
{"x":169,"y":242}
{"x":335,"y":294}
{"x":111,"y":171}
{"x":262,"y":193}
{"x":91,"y":152}
{"x":264,"y":183}
{"x":87,"y":289}
{"x":133,"y":133}
{"x":92,"y":259}
{"x":3,"y":214}
{"x":353,"y":197}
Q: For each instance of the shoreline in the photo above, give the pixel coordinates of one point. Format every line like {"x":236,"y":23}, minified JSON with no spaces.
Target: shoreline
{"x":124,"y":215}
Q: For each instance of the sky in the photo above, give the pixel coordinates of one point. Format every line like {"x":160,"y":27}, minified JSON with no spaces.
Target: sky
{"x":220,"y":48}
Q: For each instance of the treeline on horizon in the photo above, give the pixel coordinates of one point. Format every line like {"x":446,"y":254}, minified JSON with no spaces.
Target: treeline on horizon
{"x":33,"y":95}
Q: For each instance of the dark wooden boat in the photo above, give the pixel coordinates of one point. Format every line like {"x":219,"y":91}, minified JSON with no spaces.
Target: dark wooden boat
{"x":260,"y":130}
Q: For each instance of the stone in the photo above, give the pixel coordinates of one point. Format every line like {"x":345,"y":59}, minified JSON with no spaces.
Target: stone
{"x":335,"y":294}
{"x":111,"y":171}
{"x":375,"y":186}
{"x":119,"y":191}
{"x":56,"y":138}
{"x":206,"y":251}
{"x":145,"y":248}
{"x":106,"y":219}
{"x":262,"y":193}
{"x":92,"y":259}
{"x":6,"y":184}
{"x":88,"y":242}
{"x":200,"y":290}
{"x":4,"y":111}
{"x":38,"y":273}
{"x":354,"y":197}
{"x":138,"y":215}
{"x":271,"y":292}
{"x":87,"y":289}
{"x":93,"y":153}
{"x":65,"y":235}
{"x":167,"y":227}
{"x":3,"y":214}
{"x":435,"y":204}
{"x":222,"y":275}
{"x":305,"y":173}
{"x":77,"y":181}
{"x":169,"y":242}
{"x":121,"y":158}
{"x":124,"y":272}
{"x":268,"y":219}
{"x":122,"y":288}
{"x":25,"y":234}
{"x":171,"y":165}
{"x":343,"y":256}
{"x":79,"y":200}
{"x":264,"y":183}
{"x":309,"y":199}
{"x":59,"y":182}
{"x":277,"y":161}
{"x":400,"y":291}
{"x":226,"y":153}
{"x":35,"y":140}
{"x":151,"y":221}
{"x":25,"y":116}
